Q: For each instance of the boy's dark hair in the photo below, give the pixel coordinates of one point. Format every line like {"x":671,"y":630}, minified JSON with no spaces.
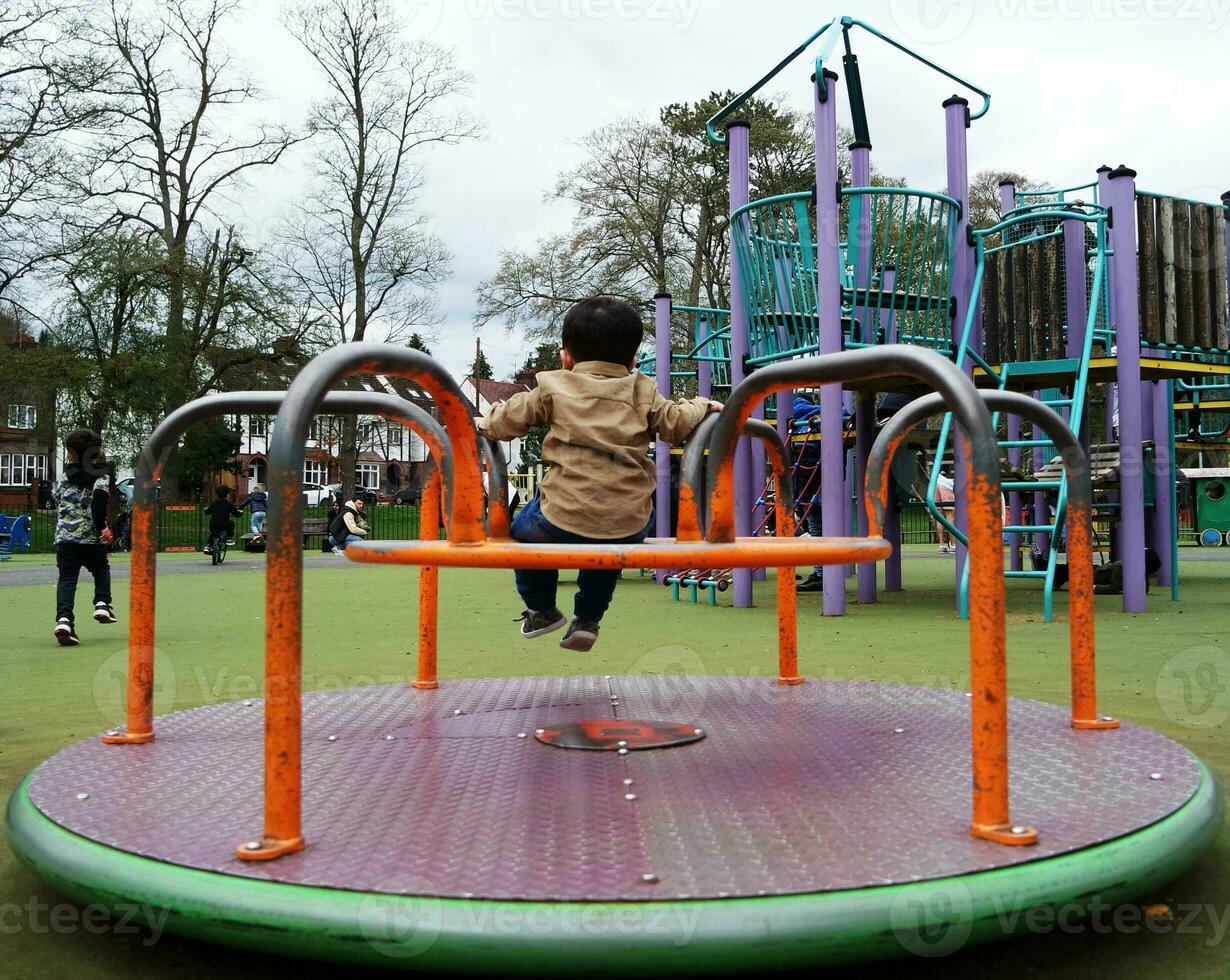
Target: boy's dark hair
{"x":222,"y":492}
{"x":81,"y":443}
{"x":603,"y":328}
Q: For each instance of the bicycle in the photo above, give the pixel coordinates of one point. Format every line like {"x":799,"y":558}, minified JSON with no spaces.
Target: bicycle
{"x":217,"y":547}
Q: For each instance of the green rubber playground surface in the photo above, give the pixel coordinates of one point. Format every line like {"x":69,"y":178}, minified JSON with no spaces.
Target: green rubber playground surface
{"x":1168,"y":669}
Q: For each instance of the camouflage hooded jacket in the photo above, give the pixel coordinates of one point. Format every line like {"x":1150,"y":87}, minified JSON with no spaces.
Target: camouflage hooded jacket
{"x":81,"y":506}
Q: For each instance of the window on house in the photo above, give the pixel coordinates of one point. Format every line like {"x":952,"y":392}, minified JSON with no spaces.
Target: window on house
{"x":367,"y":475}
{"x":20,"y":470}
{"x":395,"y":438}
{"x":315,"y":471}
{"x":23,"y":416}
{"x":258,"y":425}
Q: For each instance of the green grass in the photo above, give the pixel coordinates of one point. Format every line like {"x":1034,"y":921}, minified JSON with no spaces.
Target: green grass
{"x":359,"y":629}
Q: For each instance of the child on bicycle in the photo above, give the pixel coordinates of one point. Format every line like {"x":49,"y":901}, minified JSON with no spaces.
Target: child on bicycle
{"x":222,"y":514}
{"x":601,"y":416}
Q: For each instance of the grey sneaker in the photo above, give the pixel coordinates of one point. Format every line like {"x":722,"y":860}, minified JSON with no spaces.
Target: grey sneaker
{"x":536,"y":622}
{"x":66,"y":636}
{"x":581,"y":636}
{"x":813,"y":583}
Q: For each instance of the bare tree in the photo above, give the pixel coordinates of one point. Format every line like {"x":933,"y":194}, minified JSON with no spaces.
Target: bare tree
{"x":45,"y":82}
{"x":360,"y":247}
{"x":174,"y":149}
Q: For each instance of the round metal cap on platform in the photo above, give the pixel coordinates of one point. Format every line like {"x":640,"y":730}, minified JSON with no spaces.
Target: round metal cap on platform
{"x":610,"y":735}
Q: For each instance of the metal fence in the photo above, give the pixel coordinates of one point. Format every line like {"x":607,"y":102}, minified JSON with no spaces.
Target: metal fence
{"x":184,"y":527}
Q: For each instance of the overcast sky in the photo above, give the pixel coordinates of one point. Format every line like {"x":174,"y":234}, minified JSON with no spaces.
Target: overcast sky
{"x":1074,"y":84}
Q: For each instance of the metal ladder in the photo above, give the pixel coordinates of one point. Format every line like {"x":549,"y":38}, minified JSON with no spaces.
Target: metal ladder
{"x":1073,"y":372}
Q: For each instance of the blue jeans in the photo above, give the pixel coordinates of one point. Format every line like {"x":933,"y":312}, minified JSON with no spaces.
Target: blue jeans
{"x":257,"y":520}
{"x":537,"y":585}
{"x":342,"y":544}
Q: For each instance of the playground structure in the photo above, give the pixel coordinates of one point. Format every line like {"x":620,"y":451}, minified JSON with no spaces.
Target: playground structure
{"x":525,"y":836}
{"x":14,"y":535}
{"x":1054,"y":299}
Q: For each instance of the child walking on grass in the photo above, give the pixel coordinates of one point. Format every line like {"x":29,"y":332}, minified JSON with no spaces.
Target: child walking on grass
{"x":601,"y":415}
{"x":82,"y":534}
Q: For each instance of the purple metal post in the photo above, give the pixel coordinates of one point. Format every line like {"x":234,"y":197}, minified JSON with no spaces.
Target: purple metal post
{"x":892,"y":564}
{"x":864,"y":407}
{"x":1103,"y":173}
{"x":738,"y":148}
{"x":1225,"y":201}
{"x":835,"y":506}
{"x":956,"y":122}
{"x":1041,"y":508}
{"x":662,"y":450}
{"x":1163,"y":476}
{"x":1121,"y":188}
{"x":1007,"y":201}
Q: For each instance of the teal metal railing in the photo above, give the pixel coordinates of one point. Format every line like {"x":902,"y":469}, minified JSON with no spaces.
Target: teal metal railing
{"x":708,"y":348}
{"x":895,"y":273}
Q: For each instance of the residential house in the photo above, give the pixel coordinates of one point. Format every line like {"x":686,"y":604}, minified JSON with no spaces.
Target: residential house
{"x":488,"y":394}
{"x":390,"y":456}
{"x":28,"y":460}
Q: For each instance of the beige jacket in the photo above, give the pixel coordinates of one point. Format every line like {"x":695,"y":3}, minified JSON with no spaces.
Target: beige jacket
{"x":601,"y":419}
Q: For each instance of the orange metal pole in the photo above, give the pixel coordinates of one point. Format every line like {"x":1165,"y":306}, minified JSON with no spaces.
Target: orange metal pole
{"x":283,"y":688}
{"x":1080,"y":622}
{"x":988,"y":665}
{"x":787,"y":598}
{"x":140,"y":725}
{"x":429,"y":587}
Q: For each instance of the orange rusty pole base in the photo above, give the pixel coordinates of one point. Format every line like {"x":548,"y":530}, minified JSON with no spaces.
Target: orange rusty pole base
{"x":1004,"y":833}
{"x":266,"y":849}
{"x":126,"y":738}
{"x":1104,"y":723}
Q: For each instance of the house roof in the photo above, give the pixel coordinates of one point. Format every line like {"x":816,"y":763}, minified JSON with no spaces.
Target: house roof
{"x":494,"y":392}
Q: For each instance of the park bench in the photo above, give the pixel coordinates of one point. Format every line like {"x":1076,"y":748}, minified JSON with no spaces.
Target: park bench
{"x":14,"y":534}
{"x":313,"y":527}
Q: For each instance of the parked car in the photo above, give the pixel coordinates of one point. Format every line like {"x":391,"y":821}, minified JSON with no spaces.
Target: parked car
{"x":125,"y":488}
{"x":316,"y":494}
{"x":408,"y":495}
